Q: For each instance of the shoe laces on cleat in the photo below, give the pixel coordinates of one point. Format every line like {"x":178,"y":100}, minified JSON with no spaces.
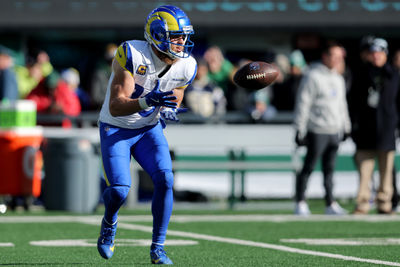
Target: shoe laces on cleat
{"x":107,"y":235}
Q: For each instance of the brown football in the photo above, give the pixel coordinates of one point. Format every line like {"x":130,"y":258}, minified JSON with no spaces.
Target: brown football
{"x":255,"y":75}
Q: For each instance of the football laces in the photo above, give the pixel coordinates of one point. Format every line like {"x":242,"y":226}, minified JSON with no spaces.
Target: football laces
{"x":255,"y":76}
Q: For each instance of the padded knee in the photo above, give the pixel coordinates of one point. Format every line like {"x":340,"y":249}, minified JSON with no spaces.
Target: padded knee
{"x":163,"y":179}
{"x":116,"y":194}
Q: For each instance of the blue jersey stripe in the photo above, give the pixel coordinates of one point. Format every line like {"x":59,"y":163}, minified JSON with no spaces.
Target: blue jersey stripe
{"x":194,"y":75}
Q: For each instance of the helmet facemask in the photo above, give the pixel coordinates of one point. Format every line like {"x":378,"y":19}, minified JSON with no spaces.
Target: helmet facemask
{"x":187,"y":45}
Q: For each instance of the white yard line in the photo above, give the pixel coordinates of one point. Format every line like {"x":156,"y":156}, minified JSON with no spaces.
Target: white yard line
{"x":6,"y":245}
{"x":206,"y":218}
{"x":235,"y":241}
{"x":95,"y":220}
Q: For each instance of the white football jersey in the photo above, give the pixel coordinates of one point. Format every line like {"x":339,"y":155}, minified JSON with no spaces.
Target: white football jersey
{"x":138,"y":58}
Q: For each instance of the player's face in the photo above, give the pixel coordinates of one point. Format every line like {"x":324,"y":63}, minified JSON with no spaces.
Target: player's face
{"x":179,"y":40}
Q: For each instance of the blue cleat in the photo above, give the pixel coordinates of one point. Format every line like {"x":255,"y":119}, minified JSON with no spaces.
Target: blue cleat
{"x":159,"y":256}
{"x":105,"y":243}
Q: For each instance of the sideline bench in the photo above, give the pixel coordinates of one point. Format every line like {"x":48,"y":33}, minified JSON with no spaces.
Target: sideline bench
{"x":237,"y":163}
{"x":236,"y":149}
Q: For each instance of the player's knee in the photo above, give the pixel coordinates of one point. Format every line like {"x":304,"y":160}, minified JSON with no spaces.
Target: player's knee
{"x":163,"y":179}
{"x":116,"y":194}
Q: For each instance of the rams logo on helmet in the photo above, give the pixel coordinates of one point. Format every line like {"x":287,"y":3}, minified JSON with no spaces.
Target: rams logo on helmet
{"x":164,"y":22}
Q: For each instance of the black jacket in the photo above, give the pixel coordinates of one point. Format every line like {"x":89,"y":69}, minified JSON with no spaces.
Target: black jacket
{"x":375,"y":128}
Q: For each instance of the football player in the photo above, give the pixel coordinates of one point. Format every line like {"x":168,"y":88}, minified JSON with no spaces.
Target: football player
{"x":148,"y":82}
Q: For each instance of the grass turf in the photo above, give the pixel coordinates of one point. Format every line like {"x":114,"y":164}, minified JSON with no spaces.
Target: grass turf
{"x":206,"y":252}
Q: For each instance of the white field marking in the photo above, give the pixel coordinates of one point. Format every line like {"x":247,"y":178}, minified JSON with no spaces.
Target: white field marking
{"x":119,"y":242}
{"x":345,"y":241}
{"x":7,"y":245}
{"x":95,"y":220}
{"x":235,"y":241}
{"x":205,"y":218}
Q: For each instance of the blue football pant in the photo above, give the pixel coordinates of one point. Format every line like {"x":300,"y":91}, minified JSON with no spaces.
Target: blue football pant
{"x":150,"y":149}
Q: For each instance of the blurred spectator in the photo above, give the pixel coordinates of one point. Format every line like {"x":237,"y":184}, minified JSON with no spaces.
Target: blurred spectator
{"x":71,"y":77}
{"x":221,"y":71}
{"x":260,"y":108}
{"x":396,"y":60}
{"x":101,"y":76}
{"x":8,"y":81}
{"x":321,"y":123}
{"x":284,"y":91}
{"x":374,"y":104}
{"x":52,"y":95}
{"x":365,"y":44}
{"x":36,"y":68}
{"x":396,"y":196}
{"x":345,"y":71}
{"x":203,"y":96}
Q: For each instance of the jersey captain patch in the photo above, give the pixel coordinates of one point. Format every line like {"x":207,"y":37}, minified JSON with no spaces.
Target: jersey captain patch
{"x":141,"y":70}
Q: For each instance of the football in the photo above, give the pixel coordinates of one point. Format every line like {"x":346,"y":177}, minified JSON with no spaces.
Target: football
{"x":256,"y":75}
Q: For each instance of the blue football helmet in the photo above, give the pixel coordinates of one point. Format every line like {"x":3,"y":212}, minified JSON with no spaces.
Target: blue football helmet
{"x":163,"y":23}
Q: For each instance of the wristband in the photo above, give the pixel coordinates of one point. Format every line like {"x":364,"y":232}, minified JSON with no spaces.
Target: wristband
{"x":143,"y":103}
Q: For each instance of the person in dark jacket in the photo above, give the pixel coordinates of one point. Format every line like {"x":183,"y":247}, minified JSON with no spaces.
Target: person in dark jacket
{"x":373,"y":105}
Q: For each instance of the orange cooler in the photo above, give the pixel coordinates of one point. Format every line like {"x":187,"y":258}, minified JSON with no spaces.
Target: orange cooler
{"x":21,"y":161}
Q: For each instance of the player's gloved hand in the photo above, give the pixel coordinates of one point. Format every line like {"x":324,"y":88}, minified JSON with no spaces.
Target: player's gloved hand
{"x":158,"y":98}
{"x":171,"y":114}
{"x":301,"y":140}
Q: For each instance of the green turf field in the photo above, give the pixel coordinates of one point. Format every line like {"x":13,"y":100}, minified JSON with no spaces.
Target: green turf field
{"x":204,"y":238}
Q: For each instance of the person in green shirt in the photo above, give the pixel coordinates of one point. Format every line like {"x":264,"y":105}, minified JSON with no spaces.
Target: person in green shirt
{"x":221,"y":70}
{"x":29,"y":76}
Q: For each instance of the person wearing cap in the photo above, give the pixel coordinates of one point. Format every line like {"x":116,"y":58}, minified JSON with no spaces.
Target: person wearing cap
{"x":374,"y":105}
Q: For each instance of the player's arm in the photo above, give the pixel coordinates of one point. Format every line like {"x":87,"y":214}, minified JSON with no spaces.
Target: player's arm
{"x":122,"y":87}
{"x":179,"y":93}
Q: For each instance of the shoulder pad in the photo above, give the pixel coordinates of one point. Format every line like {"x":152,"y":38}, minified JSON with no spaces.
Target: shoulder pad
{"x":124,"y":57}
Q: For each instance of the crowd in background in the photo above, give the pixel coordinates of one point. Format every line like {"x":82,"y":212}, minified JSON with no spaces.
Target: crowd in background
{"x":370,"y":88}
{"x":212,"y":94}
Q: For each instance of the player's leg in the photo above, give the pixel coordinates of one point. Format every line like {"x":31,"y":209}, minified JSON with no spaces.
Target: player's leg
{"x":115,"y":149}
{"x":152,"y":153}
